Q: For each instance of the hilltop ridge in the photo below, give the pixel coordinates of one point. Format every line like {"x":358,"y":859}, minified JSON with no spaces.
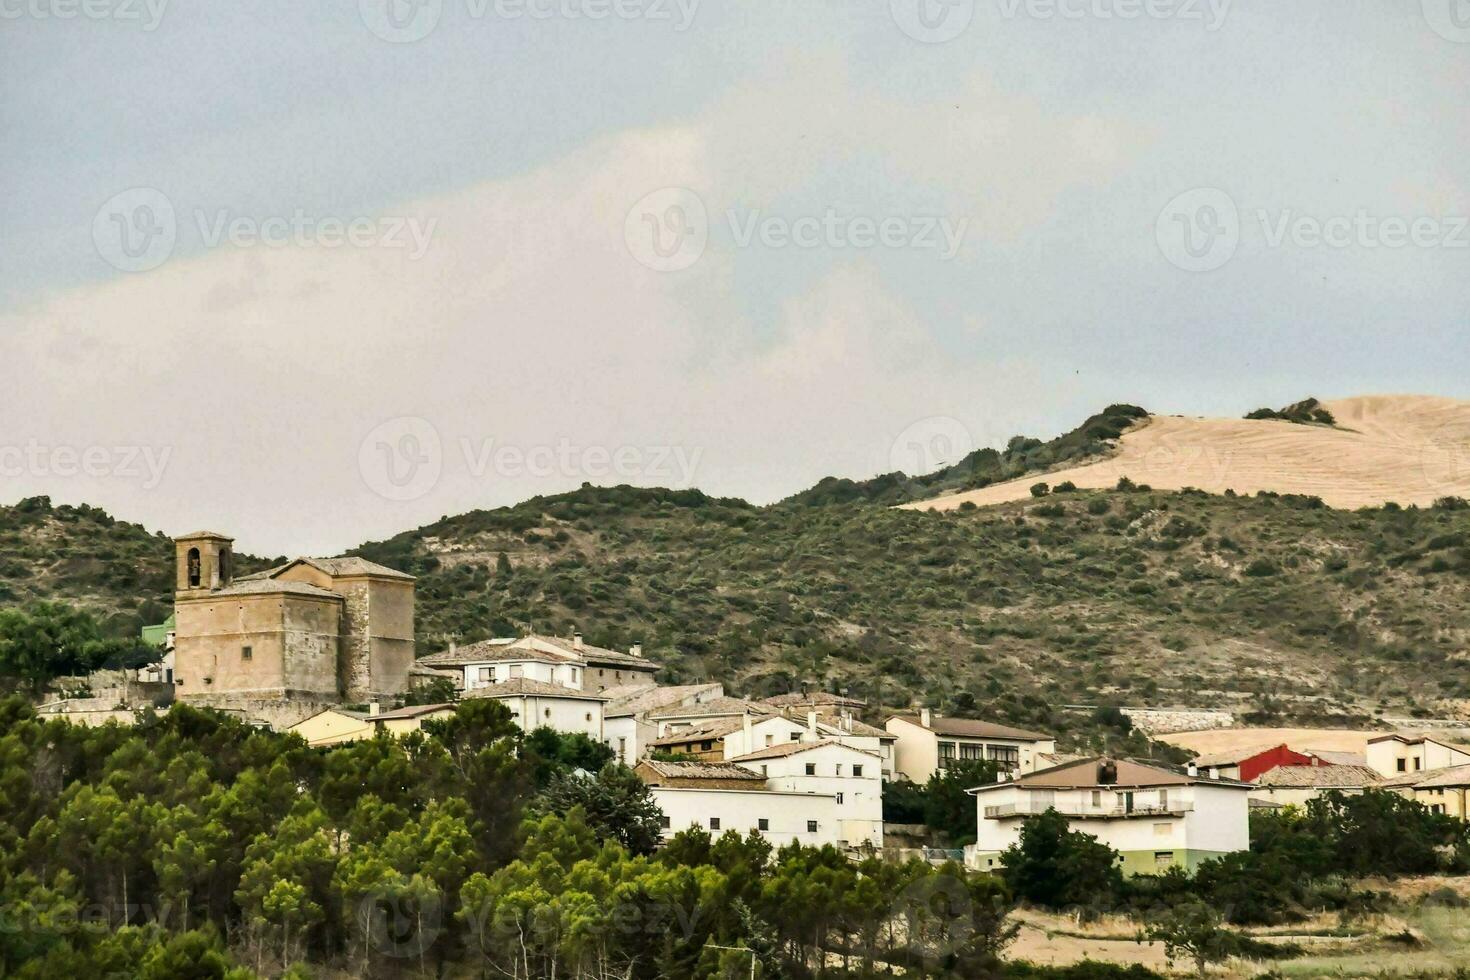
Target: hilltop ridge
{"x":1404,"y":449}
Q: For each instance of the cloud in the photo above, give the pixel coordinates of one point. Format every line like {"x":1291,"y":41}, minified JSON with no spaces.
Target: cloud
{"x":527,"y":323}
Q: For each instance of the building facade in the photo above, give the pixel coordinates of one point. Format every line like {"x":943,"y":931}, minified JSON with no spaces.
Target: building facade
{"x":313,"y":631}
{"x":852,"y":777}
{"x":925,"y":743}
{"x":1400,"y":754}
{"x":1155,"y":818}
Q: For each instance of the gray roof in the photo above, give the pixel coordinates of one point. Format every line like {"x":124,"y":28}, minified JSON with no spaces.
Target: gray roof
{"x":493,"y":651}
{"x":1441,"y":778}
{"x":716,"y":708}
{"x":631,"y":700}
{"x":1324,"y":777}
{"x":974,"y":728}
{"x":699,"y":733}
{"x":701,"y":770}
{"x":793,"y":748}
{"x":815,"y":699}
{"x":522,"y":686}
{"x":336,"y":567}
{"x":276,"y":587}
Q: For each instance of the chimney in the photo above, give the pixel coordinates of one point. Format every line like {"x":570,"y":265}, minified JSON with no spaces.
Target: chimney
{"x":453,"y":647}
{"x":1107,"y":772}
{"x":636,"y":650}
{"x":577,"y":641}
{"x":924,"y":717}
{"x":374,"y":708}
{"x":1214,"y":772}
{"x":811,"y":726}
{"x":745,"y":724}
{"x":1192,"y":770}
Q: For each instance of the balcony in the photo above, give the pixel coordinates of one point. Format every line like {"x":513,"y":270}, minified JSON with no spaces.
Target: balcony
{"x":1072,"y":812}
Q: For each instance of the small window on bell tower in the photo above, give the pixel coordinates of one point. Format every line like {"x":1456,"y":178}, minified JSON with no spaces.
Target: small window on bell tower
{"x":193,"y":568}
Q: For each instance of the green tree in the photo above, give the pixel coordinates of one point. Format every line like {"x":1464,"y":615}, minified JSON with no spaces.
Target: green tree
{"x":948,"y":807}
{"x":1054,"y":866}
{"x":1191,"y":931}
{"x":616,"y":803}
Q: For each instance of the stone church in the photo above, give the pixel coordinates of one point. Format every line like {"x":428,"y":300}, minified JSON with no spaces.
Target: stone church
{"x":312,"y":632}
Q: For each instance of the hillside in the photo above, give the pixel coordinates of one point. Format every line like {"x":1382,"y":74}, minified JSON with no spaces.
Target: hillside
{"x":1277,"y":606}
{"x":1266,"y":604}
{"x":1403,"y":448}
{"x":119,"y":571}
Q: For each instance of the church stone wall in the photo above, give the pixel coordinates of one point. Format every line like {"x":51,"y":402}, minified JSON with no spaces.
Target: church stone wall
{"x":292,"y":641}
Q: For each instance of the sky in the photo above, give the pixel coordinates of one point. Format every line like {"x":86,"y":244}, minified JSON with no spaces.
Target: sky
{"x":313,"y":273}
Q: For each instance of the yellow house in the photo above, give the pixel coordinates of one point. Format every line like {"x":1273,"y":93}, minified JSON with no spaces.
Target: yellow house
{"x":335,"y":726}
{"x":1443,"y":790}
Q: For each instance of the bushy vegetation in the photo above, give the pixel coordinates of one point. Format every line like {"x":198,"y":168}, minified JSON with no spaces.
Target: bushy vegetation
{"x":982,"y":467}
{"x":194,"y":846}
{"x":942,"y":803}
{"x":45,"y":640}
{"x":1120,"y":597}
{"x":1308,"y":411}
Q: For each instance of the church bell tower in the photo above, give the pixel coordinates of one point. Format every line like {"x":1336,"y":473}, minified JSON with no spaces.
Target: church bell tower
{"x":205,"y":563}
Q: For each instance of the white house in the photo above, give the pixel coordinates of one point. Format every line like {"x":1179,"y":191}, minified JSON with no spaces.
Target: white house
{"x":1400,"y":754}
{"x":548,"y":660}
{"x":853,"y":777}
{"x":536,"y":704}
{"x":722,"y":797}
{"x":1155,"y":817}
{"x":926,"y":743}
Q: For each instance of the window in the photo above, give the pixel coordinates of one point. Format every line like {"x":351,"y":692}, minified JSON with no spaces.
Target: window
{"x":839,"y":799}
{"x":1163,"y":799}
{"x":770,"y":739}
{"x":1418,"y":763}
{"x":796,"y":736}
{"x":487,"y":674}
{"x":546,"y":713}
{"x":763,"y":824}
{"x":623,"y":749}
{"x":193,"y":568}
{"x":1008,"y":756}
{"x":946,"y":754}
{"x":714,"y":823}
{"x":857,"y":772}
{"x":811,"y":768}
{"x":1403,"y":765}
{"x":589,"y":716}
{"x":811,"y":826}
{"x":1163,"y":860}
{"x":838,"y":769}
{"x":1097,"y":799}
{"x":972,"y":752}
{"x":246,"y":653}
{"x":663,"y":821}
{"x":763,"y":769}
{"x":706,"y":746}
